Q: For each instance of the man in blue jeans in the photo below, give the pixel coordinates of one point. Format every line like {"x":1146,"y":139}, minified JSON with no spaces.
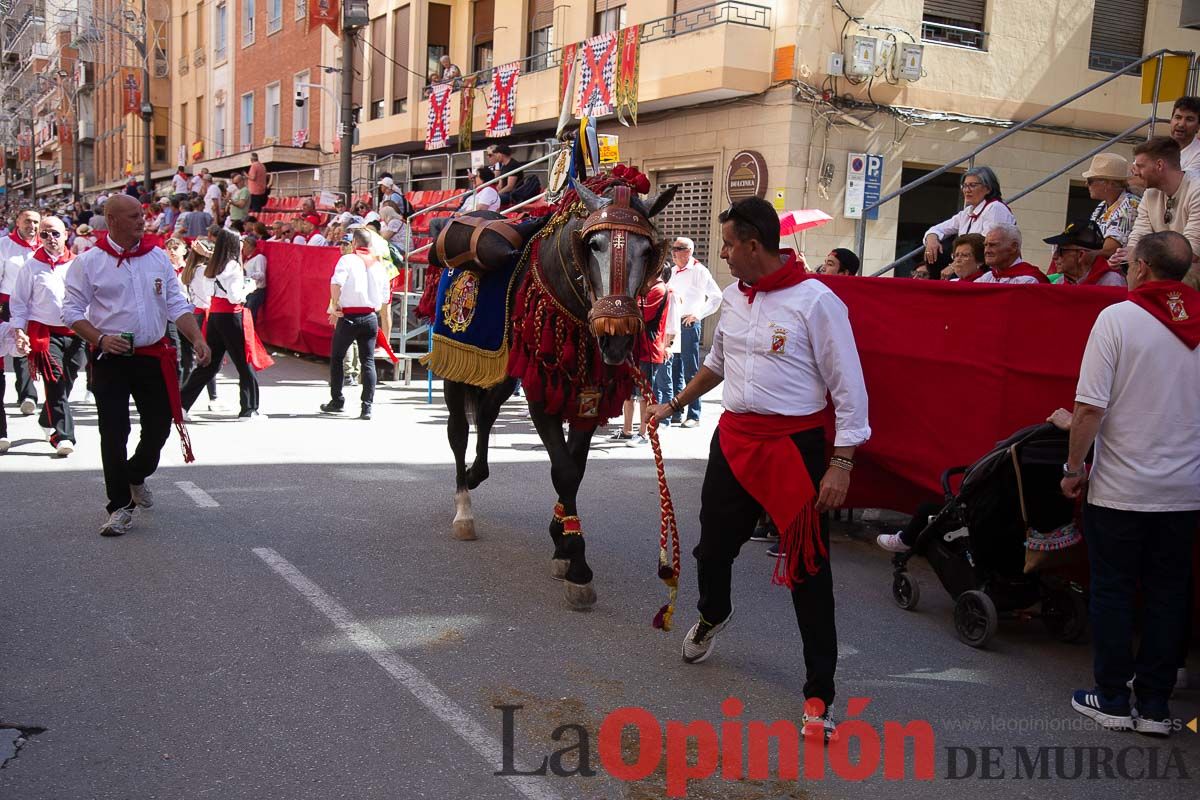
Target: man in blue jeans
{"x":699,"y":297}
{"x":1137,"y":402}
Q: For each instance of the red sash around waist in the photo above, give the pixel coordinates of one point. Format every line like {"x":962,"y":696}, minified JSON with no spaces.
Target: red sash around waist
{"x":358,"y":310}
{"x":164,"y":351}
{"x":221,"y":305}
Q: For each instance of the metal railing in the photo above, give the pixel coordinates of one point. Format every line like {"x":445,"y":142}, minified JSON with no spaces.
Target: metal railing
{"x":726,"y":12}
{"x":860,"y":238}
{"x":953,"y":35}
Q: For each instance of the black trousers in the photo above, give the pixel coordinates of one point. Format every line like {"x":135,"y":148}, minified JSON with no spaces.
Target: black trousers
{"x":919,"y":522}
{"x":187,"y":360}
{"x":114,"y":380}
{"x":70,"y":353}
{"x":225,"y":337}
{"x":1128,"y":550}
{"x":360,"y":329}
{"x":728,"y":514}
{"x":255,"y":302}
{"x":24,"y":379}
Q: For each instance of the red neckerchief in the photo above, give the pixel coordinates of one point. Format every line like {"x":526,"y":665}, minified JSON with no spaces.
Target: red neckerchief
{"x":140,"y":249}
{"x":972,"y":278}
{"x":1173,"y":303}
{"x":1021,"y":269}
{"x":17,"y":238}
{"x":41,"y":255}
{"x":971,"y":217}
{"x":1100,"y":268}
{"x":787,"y":275}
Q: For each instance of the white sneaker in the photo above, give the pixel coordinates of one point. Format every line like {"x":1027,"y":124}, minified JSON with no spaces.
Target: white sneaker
{"x":892,"y":543}
{"x":825,"y":720}
{"x":1151,"y":727}
{"x":118,"y":524}
{"x":217,"y":406}
{"x":142,"y":496}
{"x":28,"y":407}
{"x":697,"y":645}
{"x":63,"y":448}
{"x":47,"y":433}
{"x":88,"y":397}
{"x":4,"y":444}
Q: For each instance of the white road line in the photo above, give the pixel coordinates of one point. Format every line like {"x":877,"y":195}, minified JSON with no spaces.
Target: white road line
{"x":198,"y":495}
{"x":409,"y":677}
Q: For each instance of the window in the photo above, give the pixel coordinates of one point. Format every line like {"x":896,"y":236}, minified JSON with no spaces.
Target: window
{"x":198,"y":130}
{"x":247,"y":23}
{"x":160,"y":148}
{"x":301,"y":9}
{"x":184,"y":29}
{"x":541,"y":34}
{"x":954,"y":22}
{"x":609,"y":17}
{"x":185,"y":136}
{"x":378,"y":66}
{"x":247,"y":120}
{"x":219,"y":33}
{"x":1118,"y":31}
{"x":438,"y":39}
{"x":400,"y":75}
{"x":271,"y":123}
{"x":300,"y":113}
{"x":200,"y":32}
{"x":482,"y":25}
{"x":274,"y":15}
{"x":219,"y":130}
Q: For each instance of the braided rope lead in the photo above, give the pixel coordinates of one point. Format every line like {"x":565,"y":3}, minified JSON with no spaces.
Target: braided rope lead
{"x":668,"y":560}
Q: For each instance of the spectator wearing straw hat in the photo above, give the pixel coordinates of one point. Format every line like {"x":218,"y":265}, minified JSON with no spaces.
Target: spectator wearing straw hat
{"x":1108,"y":181}
{"x":84,"y":240}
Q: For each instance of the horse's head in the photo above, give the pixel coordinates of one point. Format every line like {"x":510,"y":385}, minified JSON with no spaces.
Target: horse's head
{"x":620,"y":254}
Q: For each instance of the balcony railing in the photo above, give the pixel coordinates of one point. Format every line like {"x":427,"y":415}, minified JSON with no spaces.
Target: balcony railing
{"x":947,"y":31}
{"x":1112,"y":62}
{"x":198,"y":57}
{"x":727,"y":12}
{"x":183,"y":65}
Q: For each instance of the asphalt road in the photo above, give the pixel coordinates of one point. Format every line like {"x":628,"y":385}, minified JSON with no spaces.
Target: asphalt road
{"x":293,"y":620}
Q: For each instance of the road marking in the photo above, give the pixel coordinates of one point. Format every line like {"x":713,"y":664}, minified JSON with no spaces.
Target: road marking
{"x":198,"y":495}
{"x":409,"y":677}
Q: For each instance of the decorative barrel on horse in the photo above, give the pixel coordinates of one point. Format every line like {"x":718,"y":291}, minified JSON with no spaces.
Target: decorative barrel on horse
{"x":480,"y":240}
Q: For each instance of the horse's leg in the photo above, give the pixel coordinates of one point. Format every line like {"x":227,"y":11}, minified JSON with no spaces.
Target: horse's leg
{"x":566,"y":475}
{"x":485,"y":416}
{"x":457,"y":431}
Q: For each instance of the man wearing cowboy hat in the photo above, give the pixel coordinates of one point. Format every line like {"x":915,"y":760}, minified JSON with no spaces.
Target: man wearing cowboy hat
{"x":1108,"y":181}
{"x":1080,"y":257}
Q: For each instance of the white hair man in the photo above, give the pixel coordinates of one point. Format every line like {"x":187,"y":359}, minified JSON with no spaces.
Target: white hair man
{"x":1002,"y":254}
{"x":699,"y":297}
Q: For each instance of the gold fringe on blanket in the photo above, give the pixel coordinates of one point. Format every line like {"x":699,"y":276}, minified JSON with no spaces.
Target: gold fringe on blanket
{"x":462,"y":363}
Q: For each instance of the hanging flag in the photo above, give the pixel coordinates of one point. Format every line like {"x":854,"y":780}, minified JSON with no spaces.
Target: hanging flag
{"x":327,"y":13}
{"x":24,"y":146}
{"x":598,"y":69}
{"x":466,"y":113}
{"x":569,"y":54}
{"x":503,"y":103}
{"x":438,"y":122}
{"x":131,"y":91}
{"x":197,"y":150}
{"x":627,"y":73}
{"x":65,"y":134}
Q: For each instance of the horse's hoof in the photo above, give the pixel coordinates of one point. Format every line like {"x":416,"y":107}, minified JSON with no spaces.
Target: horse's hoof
{"x":581,"y":596}
{"x":558,"y":568}
{"x":464,"y":530}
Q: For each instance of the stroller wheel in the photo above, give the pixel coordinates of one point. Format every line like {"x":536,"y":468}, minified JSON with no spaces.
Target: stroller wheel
{"x":975,"y":618}
{"x":1064,"y":613}
{"x":906,"y":591}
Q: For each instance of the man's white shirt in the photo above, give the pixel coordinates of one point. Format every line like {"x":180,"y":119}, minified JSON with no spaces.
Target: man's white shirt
{"x":699,"y":295}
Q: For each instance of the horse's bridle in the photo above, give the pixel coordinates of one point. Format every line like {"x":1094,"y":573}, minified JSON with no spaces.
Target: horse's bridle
{"x":617,"y":313}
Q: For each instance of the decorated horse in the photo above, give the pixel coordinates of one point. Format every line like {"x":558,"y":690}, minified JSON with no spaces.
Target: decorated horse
{"x":554,"y":304}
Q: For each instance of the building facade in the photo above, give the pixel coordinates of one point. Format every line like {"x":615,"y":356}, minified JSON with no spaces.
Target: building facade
{"x":719,"y":78}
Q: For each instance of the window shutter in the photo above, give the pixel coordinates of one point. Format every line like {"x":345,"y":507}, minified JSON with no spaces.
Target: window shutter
{"x":541,"y":14}
{"x":968,"y":11}
{"x":378,"y":48}
{"x":400,"y":54}
{"x":683,"y":6}
{"x":484,"y":22}
{"x":1119,"y":27}
{"x":608,"y":5}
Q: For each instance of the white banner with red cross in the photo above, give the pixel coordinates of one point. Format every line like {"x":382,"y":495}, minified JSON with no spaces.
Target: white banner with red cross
{"x":597,"y":76}
{"x":502,"y":106}
{"x":437,"y":125}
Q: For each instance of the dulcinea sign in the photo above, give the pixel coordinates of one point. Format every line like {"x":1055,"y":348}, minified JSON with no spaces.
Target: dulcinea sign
{"x":747,"y":176}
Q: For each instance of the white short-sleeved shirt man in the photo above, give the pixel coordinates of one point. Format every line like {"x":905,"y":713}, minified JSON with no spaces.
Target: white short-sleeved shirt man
{"x":1147,"y":455}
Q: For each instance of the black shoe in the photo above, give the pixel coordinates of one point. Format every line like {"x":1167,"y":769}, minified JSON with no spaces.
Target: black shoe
{"x":774,"y":552}
{"x":677,"y":420}
{"x":765,"y":532}
{"x":366,"y":411}
{"x":333,"y":407}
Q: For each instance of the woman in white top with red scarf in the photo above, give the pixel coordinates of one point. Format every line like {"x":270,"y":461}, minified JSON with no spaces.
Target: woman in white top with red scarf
{"x":984,"y":208}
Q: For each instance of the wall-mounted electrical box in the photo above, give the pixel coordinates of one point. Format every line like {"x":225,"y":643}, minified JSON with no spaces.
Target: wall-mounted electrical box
{"x":834,"y":65}
{"x":908,"y":61}
{"x":862,"y":56}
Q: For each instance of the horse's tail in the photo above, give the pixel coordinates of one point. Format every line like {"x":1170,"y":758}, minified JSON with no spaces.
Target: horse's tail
{"x":472,"y":395}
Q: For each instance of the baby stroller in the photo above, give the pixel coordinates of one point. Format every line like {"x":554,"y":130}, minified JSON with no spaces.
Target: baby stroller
{"x":976,"y":543}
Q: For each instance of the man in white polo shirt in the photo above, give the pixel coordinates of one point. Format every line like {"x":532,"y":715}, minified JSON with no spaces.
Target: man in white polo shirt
{"x":1138,"y":401}
{"x":699,"y":296}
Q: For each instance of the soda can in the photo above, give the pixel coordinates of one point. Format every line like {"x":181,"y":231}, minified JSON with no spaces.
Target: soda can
{"x":129,"y":338}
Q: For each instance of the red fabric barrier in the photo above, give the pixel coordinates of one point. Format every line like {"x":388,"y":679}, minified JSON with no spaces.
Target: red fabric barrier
{"x":951,"y":370}
{"x":297,"y":295}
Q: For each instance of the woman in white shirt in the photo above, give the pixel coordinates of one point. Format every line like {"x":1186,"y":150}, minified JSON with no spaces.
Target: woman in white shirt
{"x":198,"y":292}
{"x":984,"y":209}
{"x":226,"y":333}
{"x":256,"y":274}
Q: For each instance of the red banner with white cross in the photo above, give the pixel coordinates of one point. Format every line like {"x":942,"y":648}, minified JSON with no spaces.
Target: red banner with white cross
{"x":597,"y":76}
{"x":437,"y":125}
{"x":502,"y":105}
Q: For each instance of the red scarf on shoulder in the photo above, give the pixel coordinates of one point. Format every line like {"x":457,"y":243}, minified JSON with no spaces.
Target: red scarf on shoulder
{"x":1100,"y":268}
{"x":16,"y":237}
{"x":140,"y":249}
{"x":41,"y":255}
{"x":789,"y":274}
{"x":1022,"y":269}
{"x":1173,"y":303}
